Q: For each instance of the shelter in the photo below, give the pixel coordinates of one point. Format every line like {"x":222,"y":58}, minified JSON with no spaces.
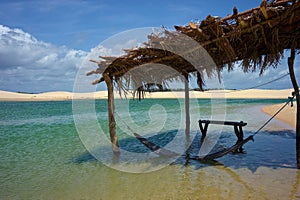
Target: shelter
{"x":257,"y":38}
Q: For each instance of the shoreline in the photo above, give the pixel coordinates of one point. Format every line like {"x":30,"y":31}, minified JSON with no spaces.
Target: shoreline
{"x":215,"y":94}
{"x":287,"y":115}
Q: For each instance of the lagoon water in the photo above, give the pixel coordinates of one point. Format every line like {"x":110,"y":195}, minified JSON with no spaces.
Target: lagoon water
{"x":43,"y":156}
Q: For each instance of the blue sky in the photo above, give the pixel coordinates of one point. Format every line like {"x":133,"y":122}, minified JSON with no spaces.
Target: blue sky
{"x":84,"y":24}
{"x":43,"y":42}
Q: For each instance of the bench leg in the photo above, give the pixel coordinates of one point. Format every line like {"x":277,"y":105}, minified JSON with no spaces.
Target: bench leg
{"x":240,"y":135}
{"x":203,"y":129}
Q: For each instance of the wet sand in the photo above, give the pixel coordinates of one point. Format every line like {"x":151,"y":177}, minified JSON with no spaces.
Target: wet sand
{"x":287,"y":115}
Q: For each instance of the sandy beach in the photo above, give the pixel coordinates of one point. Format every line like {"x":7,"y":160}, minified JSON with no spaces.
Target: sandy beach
{"x":231,"y":94}
{"x":287,"y":115}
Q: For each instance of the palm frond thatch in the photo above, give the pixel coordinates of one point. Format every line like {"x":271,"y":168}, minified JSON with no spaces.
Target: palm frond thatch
{"x":257,"y":38}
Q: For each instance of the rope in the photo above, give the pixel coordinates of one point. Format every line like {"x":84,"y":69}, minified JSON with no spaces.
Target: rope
{"x":271,"y":118}
{"x":130,"y":129}
{"x":237,"y":145}
{"x":251,"y":137}
{"x":256,"y":86}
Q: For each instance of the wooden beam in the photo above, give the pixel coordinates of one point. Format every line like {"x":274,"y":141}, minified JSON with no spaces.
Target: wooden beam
{"x":231,"y":123}
{"x":111,"y":118}
{"x":247,"y":12}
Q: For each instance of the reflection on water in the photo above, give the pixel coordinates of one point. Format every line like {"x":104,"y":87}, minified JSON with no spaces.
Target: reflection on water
{"x":173,"y":182}
{"x":263,"y":172}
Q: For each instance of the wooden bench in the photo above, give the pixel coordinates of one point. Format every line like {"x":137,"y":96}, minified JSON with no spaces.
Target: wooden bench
{"x":238,"y":128}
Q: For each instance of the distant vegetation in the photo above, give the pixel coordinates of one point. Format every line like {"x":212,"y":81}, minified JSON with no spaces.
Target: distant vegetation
{"x":182,"y":89}
{"x":26,"y":92}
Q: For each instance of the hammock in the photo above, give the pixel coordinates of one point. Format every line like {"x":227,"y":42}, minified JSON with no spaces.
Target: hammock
{"x":167,"y":153}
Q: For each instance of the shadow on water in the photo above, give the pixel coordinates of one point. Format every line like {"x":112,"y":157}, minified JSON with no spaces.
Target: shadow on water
{"x":272,"y":149}
{"x":132,"y":144}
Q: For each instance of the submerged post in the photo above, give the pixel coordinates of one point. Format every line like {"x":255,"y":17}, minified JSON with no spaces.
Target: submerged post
{"x":296,"y":88}
{"x":187,"y":105}
{"x":111,"y":118}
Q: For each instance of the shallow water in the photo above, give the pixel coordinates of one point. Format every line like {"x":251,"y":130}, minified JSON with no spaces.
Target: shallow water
{"x":42,"y":156}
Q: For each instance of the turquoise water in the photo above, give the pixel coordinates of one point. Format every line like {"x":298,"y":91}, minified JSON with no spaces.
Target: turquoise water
{"x":43,"y":157}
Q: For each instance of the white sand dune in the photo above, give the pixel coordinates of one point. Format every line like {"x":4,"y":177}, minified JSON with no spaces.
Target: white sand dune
{"x":230,"y":94}
{"x":60,"y":95}
{"x":49,"y":96}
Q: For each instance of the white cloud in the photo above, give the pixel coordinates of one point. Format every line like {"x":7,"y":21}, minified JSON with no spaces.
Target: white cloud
{"x":30,"y":65}
{"x":237,"y":79}
{"x":27,"y":64}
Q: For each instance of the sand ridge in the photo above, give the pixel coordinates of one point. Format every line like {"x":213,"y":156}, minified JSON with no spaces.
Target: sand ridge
{"x":61,"y":95}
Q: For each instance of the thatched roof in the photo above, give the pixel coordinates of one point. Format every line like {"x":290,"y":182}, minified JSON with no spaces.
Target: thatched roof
{"x":257,"y":37}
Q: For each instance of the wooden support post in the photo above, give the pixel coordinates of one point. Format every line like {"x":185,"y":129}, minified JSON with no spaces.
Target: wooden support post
{"x":111,"y":118}
{"x":187,"y":106}
{"x":296,"y":88}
